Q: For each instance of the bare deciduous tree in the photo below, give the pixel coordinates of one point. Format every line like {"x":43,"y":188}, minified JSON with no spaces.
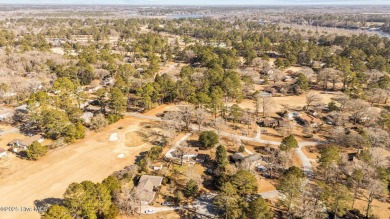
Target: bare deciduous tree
{"x":218,"y":124}
{"x":378,"y":137}
{"x":128,"y":201}
{"x":309,"y":73}
{"x":189,"y":55}
{"x":377,"y":95}
{"x":187,"y":115}
{"x":373,"y":75}
{"x":247,"y":118}
{"x":274,"y":161}
{"x":374,"y":189}
{"x":379,"y":157}
{"x":309,"y":204}
{"x":286,"y":159}
{"x":263,"y":102}
{"x":342,"y":100}
{"x":181,"y":151}
{"x":201,"y":116}
{"x":276,"y":75}
{"x":357,"y":109}
{"x":328,"y":75}
{"x":312,"y":99}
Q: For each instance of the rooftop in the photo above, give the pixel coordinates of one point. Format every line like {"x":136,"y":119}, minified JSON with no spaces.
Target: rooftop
{"x":146,"y":186}
{"x":148,"y":183}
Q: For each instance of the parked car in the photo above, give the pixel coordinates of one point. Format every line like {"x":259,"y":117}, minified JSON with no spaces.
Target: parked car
{"x":150,"y":211}
{"x":166,"y":204}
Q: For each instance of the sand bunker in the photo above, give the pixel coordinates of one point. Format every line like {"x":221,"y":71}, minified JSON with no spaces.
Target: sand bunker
{"x":114,"y":137}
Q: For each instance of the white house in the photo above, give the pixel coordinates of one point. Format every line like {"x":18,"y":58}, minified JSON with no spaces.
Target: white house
{"x":191,"y":153}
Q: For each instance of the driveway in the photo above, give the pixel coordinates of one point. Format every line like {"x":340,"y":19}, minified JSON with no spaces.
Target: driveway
{"x":270,"y":194}
{"x":157,"y":209}
{"x":169,"y":154}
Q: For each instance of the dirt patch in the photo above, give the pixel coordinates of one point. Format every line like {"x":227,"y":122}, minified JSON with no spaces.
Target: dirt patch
{"x":378,"y":208}
{"x":133,"y":139}
{"x":5,"y":127}
{"x":311,"y":152}
{"x":296,"y":102}
{"x":295,"y":160}
{"x":58,"y":51}
{"x":265,"y":185}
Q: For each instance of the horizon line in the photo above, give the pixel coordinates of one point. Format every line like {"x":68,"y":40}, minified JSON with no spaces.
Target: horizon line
{"x":197,"y":5}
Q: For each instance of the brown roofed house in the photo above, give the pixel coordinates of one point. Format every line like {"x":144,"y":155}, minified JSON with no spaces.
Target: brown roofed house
{"x":307,"y":120}
{"x":284,"y":123}
{"x":31,"y":139}
{"x":147,"y":186}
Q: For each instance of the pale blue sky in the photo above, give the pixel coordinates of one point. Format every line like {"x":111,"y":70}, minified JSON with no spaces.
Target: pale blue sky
{"x":198,"y":2}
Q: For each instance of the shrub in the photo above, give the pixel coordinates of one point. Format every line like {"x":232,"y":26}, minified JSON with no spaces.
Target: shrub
{"x":208,"y":139}
{"x":35,"y":151}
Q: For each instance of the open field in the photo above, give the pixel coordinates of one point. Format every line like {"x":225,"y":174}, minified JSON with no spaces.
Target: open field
{"x":265,"y":185}
{"x":93,"y":158}
{"x":296,"y":102}
{"x":133,"y":139}
{"x":380,"y":209}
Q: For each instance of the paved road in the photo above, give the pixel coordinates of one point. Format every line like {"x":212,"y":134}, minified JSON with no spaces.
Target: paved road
{"x":204,"y":205}
{"x":157,"y":209}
